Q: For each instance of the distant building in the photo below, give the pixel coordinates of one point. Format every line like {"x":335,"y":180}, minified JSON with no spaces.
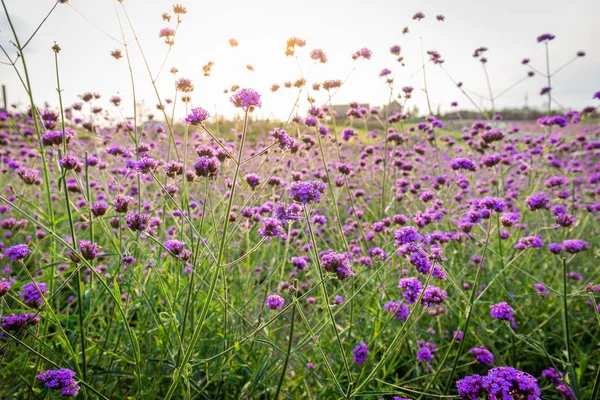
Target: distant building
{"x":340,"y":109}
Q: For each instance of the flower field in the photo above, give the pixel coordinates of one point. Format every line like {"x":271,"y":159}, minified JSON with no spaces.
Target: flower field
{"x":366,"y":254}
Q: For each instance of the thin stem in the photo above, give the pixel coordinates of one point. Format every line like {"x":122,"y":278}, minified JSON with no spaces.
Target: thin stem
{"x":469,"y":312}
{"x":215,"y":274}
{"x":549,"y":77}
{"x":326,"y":297}
{"x":489,"y":86}
{"x":287,"y":355}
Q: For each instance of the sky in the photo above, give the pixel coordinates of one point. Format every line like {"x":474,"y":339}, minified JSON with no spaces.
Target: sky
{"x":87,"y":31}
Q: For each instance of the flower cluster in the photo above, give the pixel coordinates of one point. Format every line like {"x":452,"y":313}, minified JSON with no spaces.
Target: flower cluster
{"x":499,"y":383}
{"x":60,"y":379}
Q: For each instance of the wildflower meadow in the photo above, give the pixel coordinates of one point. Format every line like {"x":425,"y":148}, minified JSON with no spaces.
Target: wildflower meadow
{"x":334,"y":252}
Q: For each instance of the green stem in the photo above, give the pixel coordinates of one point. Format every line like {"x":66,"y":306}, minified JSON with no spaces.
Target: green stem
{"x":215,"y":274}
{"x":287,"y":356}
{"x":469,"y":312}
{"x":326,"y":297}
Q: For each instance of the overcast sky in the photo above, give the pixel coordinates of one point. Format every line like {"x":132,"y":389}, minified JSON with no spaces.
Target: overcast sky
{"x":88,"y":30}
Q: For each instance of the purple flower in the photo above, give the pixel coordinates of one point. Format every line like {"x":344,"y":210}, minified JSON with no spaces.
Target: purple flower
{"x":300,"y":263}
{"x":287,"y":212}
{"x":413,"y":288}
{"x":348,"y":133}
{"x":284,"y":141}
{"x":32,"y":294}
{"x":275,"y":302}
{"x":418,"y":16}
{"x":463,"y":163}
{"x":553,"y":376}
{"x":70,"y":162}
{"x":363,"y":53}
{"x":197,"y":116}
{"x":503,"y":312}
{"x":246,"y":98}
{"x":529,"y":242}
{"x":471,"y":387}
{"x":385,"y":72}
{"x":253,"y":180}
{"x":4,"y":287}
{"x":137,"y":222}
{"x":493,"y":204}
{"x":60,"y":379}
{"x":482,"y":355}
{"x":271,"y":228}
{"x":318,"y":55}
{"x":508,"y":382}
{"x":538,"y":201}
{"x":147,"y":165}
{"x":19,"y":322}
{"x":207,"y":166}
{"x":174,"y":246}
{"x":433,"y":295}
{"x":541,"y":289}
{"x":338,"y":263}
{"x":406,"y":235}
{"x":99,"y":208}
{"x":399,"y":309}
{"x":555,"y":248}
{"x":121,"y":203}
{"x":500,"y":383}
{"x":17,"y":252}
{"x":307,"y":192}
{"x":426,"y":350}
{"x":566,"y":391}
{"x":89,"y":250}
{"x":573,"y":246}
{"x":545,"y":37}
{"x":361,"y":353}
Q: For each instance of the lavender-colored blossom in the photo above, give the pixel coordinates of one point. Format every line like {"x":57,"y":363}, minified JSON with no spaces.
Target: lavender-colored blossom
{"x":89,"y":250}
{"x":284,"y":141}
{"x":246,"y":98}
{"x":573,"y":246}
{"x":338,"y":263}
{"x":33,"y":294}
{"x":412,"y":289}
{"x":17,"y":252}
{"x":275,"y":302}
{"x":307,"y":192}
{"x":197,"y":116}
{"x":399,"y":309}
{"x":270,"y":228}
{"x":207,"y":166}
{"x":463,"y":163}
{"x":471,"y":387}
{"x":538,"y":201}
{"x":4,"y":287}
{"x":407,"y":235}
{"x":482,"y":355}
{"x":137,"y":222}
{"x":503,"y":312}
{"x":545,"y":37}
{"x":433,"y":295}
{"x":121,"y":203}
{"x":19,"y":322}
{"x":426,"y":351}
{"x":60,"y":379}
{"x":552,"y":375}
{"x":529,"y":242}
{"x":361,"y":353}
